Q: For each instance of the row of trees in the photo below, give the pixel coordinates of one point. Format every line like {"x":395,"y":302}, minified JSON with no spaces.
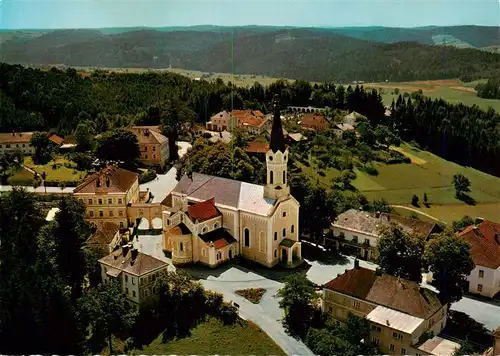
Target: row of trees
{"x":490,"y":89}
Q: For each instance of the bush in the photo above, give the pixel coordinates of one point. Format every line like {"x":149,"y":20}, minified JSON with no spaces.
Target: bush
{"x":370,"y":170}
{"x":83,"y":160}
{"x":62,"y":183}
{"x":414,"y":200}
{"x":228,"y":314}
{"x":206,"y":135}
{"x":147,"y":176}
{"x":213,"y":302}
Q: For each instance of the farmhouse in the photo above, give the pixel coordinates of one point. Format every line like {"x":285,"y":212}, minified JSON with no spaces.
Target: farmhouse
{"x":315,"y":122}
{"x":356,"y":232}
{"x":253,"y":121}
{"x":484,"y":241}
{"x":152,"y":144}
{"x":207,"y":215}
{"x":400,"y":312}
{"x":10,"y":142}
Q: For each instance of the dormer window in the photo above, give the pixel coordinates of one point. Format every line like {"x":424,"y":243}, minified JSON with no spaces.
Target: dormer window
{"x":98,"y":183}
{"x":108,"y":182}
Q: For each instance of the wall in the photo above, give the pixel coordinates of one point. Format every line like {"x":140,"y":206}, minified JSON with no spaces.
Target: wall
{"x":256,"y":225}
{"x":490,"y":281}
{"x":147,"y":211}
{"x":350,"y":235}
{"x":112,"y":210}
{"x":25,"y":148}
{"x":278,"y":223}
{"x":339,"y":305}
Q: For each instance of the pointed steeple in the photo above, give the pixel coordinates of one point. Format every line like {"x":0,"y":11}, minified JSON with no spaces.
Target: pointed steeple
{"x":277,"y":138}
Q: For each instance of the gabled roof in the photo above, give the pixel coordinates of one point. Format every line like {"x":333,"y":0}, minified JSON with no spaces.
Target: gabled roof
{"x":257,"y":147}
{"x":203,"y":211}
{"x":484,"y":241}
{"x":316,"y":121}
{"x":123,"y":260}
{"x":148,"y":134}
{"x":180,"y":229}
{"x":16,"y":137}
{"x":220,"y":238}
{"x":56,"y":139}
{"x":386,"y":290}
{"x":104,"y":235}
{"x":120,"y":181}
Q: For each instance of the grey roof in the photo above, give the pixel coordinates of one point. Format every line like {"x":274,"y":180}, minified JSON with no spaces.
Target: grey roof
{"x":226,"y":192}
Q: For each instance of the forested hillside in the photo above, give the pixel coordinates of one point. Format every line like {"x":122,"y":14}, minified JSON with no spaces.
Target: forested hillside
{"x":309,"y":54}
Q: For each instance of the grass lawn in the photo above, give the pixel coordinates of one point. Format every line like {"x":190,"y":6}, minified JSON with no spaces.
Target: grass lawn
{"x":213,"y":338}
{"x":61,"y":173}
{"x":21,"y":177}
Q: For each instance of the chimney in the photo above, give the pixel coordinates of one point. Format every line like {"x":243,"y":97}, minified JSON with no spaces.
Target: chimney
{"x":387,"y":322}
{"x":356,"y":263}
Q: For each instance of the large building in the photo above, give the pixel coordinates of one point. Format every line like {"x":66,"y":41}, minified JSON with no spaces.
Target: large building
{"x":106,"y":195}
{"x":261,"y":223}
{"x":405,"y":318}
{"x":253,"y":121}
{"x":135,"y":271}
{"x":484,"y":241}
{"x":356,"y":232}
{"x":152,"y":144}
{"x":21,"y":141}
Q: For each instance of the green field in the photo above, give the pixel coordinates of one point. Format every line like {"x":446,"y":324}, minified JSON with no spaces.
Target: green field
{"x":213,"y":338}
{"x":433,"y":176}
{"x":65,"y":170}
{"x":21,"y":177}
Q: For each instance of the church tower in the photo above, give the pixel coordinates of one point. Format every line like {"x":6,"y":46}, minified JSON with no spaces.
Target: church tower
{"x":277,"y":159}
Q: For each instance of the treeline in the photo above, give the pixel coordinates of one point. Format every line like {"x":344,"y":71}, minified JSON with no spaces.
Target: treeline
{"x":463,"y":134}
{"x":489,"y":90}
{"x":37,"y":100}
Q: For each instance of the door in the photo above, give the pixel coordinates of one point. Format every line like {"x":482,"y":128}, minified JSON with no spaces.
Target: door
{"x":284,"y":256}
{"x":230,"y":253}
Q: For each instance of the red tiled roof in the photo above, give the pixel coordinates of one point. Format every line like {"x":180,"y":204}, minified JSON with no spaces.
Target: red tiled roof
{"x":120,"y":181}
{"x":316,"y":121}
{"x":56,"y":139}
{"x":17,"y":137}
{"x":484,"y":241}
{"x":204,"y":210}
{"x":386,"y":290}
{"x":257,"y":147}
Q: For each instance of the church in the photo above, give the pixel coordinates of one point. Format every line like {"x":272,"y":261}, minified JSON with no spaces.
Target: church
{"x":210,"y":220}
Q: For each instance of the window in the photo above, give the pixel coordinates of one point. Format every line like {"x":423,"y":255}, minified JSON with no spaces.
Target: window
{"x":247,"y":237}
{"x":219,"y":255}
{"x":284,"y":214}
{"x":284,"y":177}
{"x":126,"y":279}
{"x":133,"y":280}
{"x":275,"y":236}
{"x":262,"y":242}
{"x":284,"y":232}
{"x":367,"y":241}
{"x":154,"y":148}
{"x":91,"y":213}
{"x":111,"y":213}
{"x":479,"y":287}
{"x":133,"y":293}
{"x":397,"y":336}
{"x":120,"y":201}
{"x":99,"y":201}
{"x":375,"y":341}
{"x":357,"y":305}
{"x":275,"y":253}
{"x":121,"y":224}
{"x":154,"y":156}
{"x":203,"y":230}
{"x":270,"y":158}
{"x":271,"y":178}
{"x":101,"y":213}
{"x":90,"y":201}
{"x":355,"y":238}
{"x":146,"y":155}
{"x":154,"y":290}
{"x":293,"y":229}
{"x":392,"y":348}
{"x":126,"y":291}
{"x":330,"y":309}
{"x":110,"y":201}
{"x":181,"y":246}
{"x":403,"y":351}
{"x":216,"y":226}
{"x":376,"y":328}
{"x":120,"y":213}
{"x":481,"y":273}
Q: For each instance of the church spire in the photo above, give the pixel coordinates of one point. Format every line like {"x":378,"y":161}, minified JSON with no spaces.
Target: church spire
{"x":277,"y":138}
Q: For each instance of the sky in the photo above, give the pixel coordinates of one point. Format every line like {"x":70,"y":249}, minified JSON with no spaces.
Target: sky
{"x":50,"y":14}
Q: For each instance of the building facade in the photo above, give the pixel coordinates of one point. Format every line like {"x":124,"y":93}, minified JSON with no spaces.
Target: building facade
{"x":135,"y":271}
{"x":152,"y":144}
{"x":484,"y":241}
{"x":253,"y":121}
{"x":403,"y":316}
{"x":21,"y":141}
{"x":263,"y":220}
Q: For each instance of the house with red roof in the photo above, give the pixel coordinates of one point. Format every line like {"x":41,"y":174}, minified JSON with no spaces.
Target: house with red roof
{"x":484,"y":241}
{"x":196,"y":233}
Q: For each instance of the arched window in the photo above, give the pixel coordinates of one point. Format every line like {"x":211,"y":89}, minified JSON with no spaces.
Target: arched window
{"x":284,"y":177}
{"x":216,"y":226}
{"x":275,"y":236}
{"x":293,"y":228}
{"x":204,"y":229}
{"x":276,"y":253}
{"x":247,"y":237}
{"x":271,"y":178}
{"x":203,"y":252}
{"x":219,"y":255}
{"x":181,"y":247}
{"x":284,"y":232}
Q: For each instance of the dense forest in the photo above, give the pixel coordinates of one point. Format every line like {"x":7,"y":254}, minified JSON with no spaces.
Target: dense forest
{"x":489,"y":90}
{"x":463,"y":134}
{"x":309,"y":54}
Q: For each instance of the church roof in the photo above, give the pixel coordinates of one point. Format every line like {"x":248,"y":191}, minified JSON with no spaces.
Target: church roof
{"x":277,"y":138}
{"x":226,"y":192}
{"x":120,"y":181}
{"x":204,"y":210}
{"x":220,"y":237}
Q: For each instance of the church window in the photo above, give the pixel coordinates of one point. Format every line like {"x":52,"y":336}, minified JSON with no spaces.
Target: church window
{"x":216,"y":226}
{"x":284,"y":214}
{"x":203,"y":252}
{"x":293,"y":228}
{"x":204,"y":229}
{"x":284,"y":232}
{"x":275,"y":253}
{"x":275,"y":236}
{"x":219,"y":255}
{"x":247,"y":237}
{"x":270,"y":158}
{"x":181,"y":246}
{"x":271,"y":178}
{"x":284,"y":157}
{"x":262,"y":242}
{"x":284,"y":177}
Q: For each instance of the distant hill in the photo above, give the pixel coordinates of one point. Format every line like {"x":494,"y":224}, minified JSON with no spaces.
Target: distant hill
{"x":319,"y":54}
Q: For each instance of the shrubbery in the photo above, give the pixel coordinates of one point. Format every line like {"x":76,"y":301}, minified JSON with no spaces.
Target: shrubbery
{"x":147,"y":176}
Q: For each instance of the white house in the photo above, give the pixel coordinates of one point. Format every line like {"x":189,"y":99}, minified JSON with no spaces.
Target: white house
{"x":484,"y":241}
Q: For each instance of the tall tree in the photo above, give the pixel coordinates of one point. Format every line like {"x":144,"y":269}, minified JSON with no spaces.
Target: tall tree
{"x":448,"y":258}
{"x":399,"y":253}
{"x":174,"y":115}
{"x":9,"y":162}
{"x":83,"y":135}
{"x":461,"y":184}
{"x":119,"y":145}
{"x":40,"y":141}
